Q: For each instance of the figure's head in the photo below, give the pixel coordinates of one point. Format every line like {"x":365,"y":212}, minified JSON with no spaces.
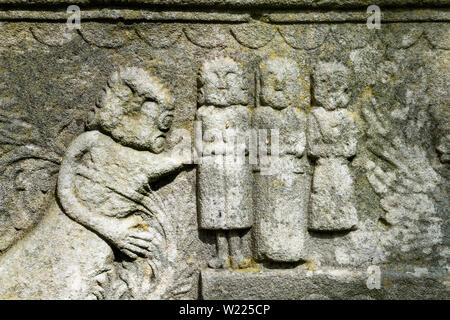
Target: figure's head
{"x":136,"y":109}
{"x":222,"y":83}
{"x":280,"y":83}
{"x":331,"y":85}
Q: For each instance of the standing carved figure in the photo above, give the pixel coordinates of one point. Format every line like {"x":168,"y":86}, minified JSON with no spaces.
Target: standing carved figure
{"x":224,"y":176}
{"x":332,"y":140}
{"x":282,"y":180}
{"x":106,"y":176}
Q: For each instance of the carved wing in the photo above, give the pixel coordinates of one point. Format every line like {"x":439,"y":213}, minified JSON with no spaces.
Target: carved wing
{"x":28,"y":172}
{"x":403,"y":176}
{"x":31,"y":149}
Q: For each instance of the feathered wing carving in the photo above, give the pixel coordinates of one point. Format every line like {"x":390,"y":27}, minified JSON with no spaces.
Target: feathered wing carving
{"x":404,"y":179}
{"x":28,"y":166}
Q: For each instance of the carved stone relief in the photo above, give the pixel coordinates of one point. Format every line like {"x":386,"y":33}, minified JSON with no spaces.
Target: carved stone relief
{"x":281,"y":196}
{"x":332,"y":136}
{"x":224,"y":177}
{"x":103,"y":182}
{"x":219,"y":154}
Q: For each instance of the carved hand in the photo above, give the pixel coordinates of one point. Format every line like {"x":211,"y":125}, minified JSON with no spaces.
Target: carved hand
{"x":131,"y":236}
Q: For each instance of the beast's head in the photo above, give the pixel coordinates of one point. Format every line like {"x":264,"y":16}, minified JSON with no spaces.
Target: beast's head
{"x":135,"y":109}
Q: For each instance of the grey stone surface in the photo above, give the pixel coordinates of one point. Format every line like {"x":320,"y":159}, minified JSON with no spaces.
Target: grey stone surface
{"x":322,"y":285}
{"x":130,"y":170}
{"x":243,"y":3}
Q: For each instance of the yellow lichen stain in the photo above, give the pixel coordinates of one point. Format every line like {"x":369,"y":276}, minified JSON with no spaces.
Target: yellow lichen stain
{"x":311,"y":265}
{"x":322,"y":55}
{"x":135,"y":14}
{"x":309,"y":108}
{"x":355,"y":116}
{"x":349,"y":62}
{"x":229,"y":263}
{"x":274,"y":56}
{"x":277,"y":183}
{"x":367,"y":93}
{"x":10,"y":296}
{"x":301,"y":109}
{"x":142,"y":227}
{"x":249,"y":265}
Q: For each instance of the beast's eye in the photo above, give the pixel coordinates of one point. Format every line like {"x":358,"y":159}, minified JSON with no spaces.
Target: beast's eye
{"x":150,"y":108}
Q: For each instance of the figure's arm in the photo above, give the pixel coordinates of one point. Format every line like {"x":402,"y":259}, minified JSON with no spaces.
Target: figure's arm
{"x":66,"y":184}
{"x":350,"y":137}
{"x":160,"y":165}
{"x":297,"y":144}
{"x":117,"y":231}
{"x":313,"y":136}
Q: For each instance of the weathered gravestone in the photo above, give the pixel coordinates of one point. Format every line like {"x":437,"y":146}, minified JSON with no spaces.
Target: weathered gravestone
{"x":224,"y":149}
